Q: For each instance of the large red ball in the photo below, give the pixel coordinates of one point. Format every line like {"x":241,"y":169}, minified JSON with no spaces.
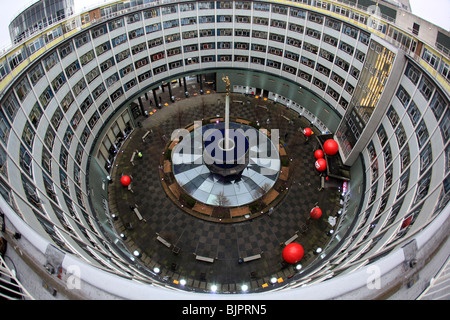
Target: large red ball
{"x":293,"y":253}
{"x":125,"y":180}
{"x":318,"y":154}
{"x":321,"y":164}
{"x":307,"y":132}
{"x":330,"y":147}
{"x":316,"y":213}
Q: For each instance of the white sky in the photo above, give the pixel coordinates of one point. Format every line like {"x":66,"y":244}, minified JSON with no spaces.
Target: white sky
{"x":436,"y":11}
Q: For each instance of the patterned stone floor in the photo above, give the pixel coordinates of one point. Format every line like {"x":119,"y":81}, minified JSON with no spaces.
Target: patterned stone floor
{"x":225,"y":243}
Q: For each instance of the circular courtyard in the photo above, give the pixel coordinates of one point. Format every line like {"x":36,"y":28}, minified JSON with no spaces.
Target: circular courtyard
{"x":233,"y":237}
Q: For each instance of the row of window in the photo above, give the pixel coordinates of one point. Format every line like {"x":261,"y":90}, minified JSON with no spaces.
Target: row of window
{"x":23,"y":87}
{"x":438,"y":105}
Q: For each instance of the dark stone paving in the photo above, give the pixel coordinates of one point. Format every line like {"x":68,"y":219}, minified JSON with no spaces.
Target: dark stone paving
{"x":226,"y":243}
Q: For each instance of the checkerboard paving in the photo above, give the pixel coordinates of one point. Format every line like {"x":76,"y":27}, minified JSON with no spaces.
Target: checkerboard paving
{"x":225,"y":243}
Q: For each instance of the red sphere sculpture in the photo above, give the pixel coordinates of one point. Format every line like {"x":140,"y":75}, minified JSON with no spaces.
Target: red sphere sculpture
{"x":316,"y":213}
{"x":318,"y":154}
{"x":330,"y":147}
{"x":307,"y":132}
{"x":321,"y":164}
{"x":293,"y":253}
{"x":125,"y":180}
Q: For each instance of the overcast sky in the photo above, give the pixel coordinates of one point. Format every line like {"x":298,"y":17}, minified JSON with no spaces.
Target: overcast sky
{"x":436,"y":11}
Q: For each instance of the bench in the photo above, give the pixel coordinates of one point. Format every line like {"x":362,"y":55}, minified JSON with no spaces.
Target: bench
{"x":145,"y":136}
{"x":132,"y":158}
{"x":164,"y":242}
{"x":295,"y":236}
{"x":205,"y":259}
{"x":251,"y":258}
{"x":138,"y":214}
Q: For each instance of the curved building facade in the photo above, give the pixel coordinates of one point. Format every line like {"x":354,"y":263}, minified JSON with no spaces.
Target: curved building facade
{"x":370,"y":73}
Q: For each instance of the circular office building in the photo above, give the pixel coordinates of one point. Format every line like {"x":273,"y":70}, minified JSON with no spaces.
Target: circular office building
{"x":333,"y":120}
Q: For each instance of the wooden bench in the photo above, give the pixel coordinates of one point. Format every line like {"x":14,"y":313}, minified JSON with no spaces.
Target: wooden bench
{"x":138,"y":214}
{"x":164,"y":242}
{"x":205,"y":259}
{"x":251,"y":258}
{"x":204,"y":209}
{"x":132,"y":158}
{"x":167,"y":166}
{"x":295,"y":236}
{"x":145,"y":136}
{"x":239,"y":212}
{"x":284,"y":175}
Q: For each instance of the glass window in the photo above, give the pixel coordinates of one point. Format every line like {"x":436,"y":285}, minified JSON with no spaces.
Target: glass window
{"x":22,"y":89}
{"x":414,"y":113}
{"x":422,"y":133}
{"x":426,"y":157}
{"x":36,"y":74}
{"x":412,"y":73}
{"x":426,"y":88}
{"x":438,"y":105}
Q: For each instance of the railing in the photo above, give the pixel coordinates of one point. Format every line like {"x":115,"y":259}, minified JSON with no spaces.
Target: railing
{"x":10,"y":287}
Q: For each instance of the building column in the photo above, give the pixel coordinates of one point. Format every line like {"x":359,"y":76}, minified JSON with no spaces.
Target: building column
{"x":156,"y":99}
{"x":185,"y":87}
{"x":141,"y":104}
{"x":172,"y":98}
{"x":200,"y":80}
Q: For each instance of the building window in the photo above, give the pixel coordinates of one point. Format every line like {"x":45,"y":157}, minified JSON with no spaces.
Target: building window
{"x":35,"y":115}
{"x":403,"y":185}
{"x":313,"y":33}
{"x":66,"y":50}
{"x":422,"y":133}
{"x":122,"y":55}
{"x":412,"y":73}
{"x":85,"y":105}
{"x":426,"y":88}
{"x":58,"y":82}
{"x":46,"y":97}
{"x":99,"y":31}
{"x":87,"y":57}
{"x":393,"y":117}
{"x":76,"y":119}
{"x":414,"y":113}
{"x":36,"y":74}
{"x":116,"y":24}
{"x":426,"y":157}
{"x":72,"y":69}
{"x":101,"y":49}
{"x":438,"y":105}
{"x":323,"y":70}
{"x":51,"y":61}
{"x":22,"y":89}
{"x":79,"y":87}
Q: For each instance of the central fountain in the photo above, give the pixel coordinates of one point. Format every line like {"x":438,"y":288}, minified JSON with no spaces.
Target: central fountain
{"x":226,"y":151}
{"x":226,"y":159}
